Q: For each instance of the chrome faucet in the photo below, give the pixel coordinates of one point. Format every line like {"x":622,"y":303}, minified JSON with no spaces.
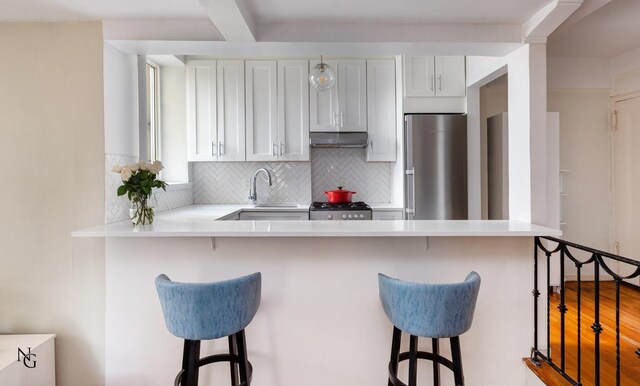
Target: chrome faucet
{"x":253,"y":193}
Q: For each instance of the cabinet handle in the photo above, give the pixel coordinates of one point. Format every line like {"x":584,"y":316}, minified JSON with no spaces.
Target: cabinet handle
{"x":334,"y":121}
{"x":273,"y":149}
{"x":439,"y":82}
{"x":213,"y":148}
{"x":431,"y":83}
{"x":220,"y":148}
{"x":371,"y":149}
{"x":281,"y":148}
{"x":341,"y":119}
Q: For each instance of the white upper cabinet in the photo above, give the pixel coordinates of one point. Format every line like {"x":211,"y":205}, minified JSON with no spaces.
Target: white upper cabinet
{"x":381,"y":102}
{"x":324,"y":104}
{"x":202,"y":135}
{"x":440,"y":76}
{"x":293,"y":110}
{"x":344,"y":106}
{"x":277,"y":110}
{"x":419,"y":76}
{"x":352,"y":95}
{"x":450,"y":76}
{"x":262,"y":110}
{"x":231,"y":110}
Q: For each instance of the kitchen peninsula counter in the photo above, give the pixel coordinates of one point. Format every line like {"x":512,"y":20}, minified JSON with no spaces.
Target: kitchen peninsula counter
{"x":203,"y":221}
{"x":320,"y":307}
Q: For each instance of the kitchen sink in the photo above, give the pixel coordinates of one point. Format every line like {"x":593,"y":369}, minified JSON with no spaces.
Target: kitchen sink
{"x":276,"y":206}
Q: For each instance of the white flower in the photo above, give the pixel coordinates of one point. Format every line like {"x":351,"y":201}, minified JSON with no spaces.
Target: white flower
{"x":155,"y":167}
{"x":116,"y":169}
{"x":134,"y":167}
{"x":125,"y":173}
{"x":144,"y":166}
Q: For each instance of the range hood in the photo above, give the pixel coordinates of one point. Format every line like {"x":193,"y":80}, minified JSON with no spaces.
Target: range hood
{"x":338,"y":139}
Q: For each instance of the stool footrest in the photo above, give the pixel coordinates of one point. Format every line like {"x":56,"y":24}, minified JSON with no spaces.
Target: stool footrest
{"x":395,"y":381}
{"x":214,"y":359}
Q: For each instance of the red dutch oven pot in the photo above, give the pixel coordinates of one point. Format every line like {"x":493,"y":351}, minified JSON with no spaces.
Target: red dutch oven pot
{"x":339,"y":196}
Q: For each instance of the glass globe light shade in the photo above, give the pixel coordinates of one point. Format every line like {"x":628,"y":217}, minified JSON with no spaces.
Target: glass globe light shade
{"x":322,"y":76}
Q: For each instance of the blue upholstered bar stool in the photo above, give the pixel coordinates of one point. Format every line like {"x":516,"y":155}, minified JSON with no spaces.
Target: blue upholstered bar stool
{"x":203,"y":311}
{"x":428,"y":310}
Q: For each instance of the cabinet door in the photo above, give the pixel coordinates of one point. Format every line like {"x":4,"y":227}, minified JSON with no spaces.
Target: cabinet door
{"x":324,"y":104}
{"x":201,"y":110}
{"x":352,"y":95}
{"x":262,"y":110}
{"x":381,"y":102}
{"x":387,"y":215}
{"x":450,"y":76}
{"x":419,"y":76}
{"x":231,"y":127}
{"x":293,"y":110}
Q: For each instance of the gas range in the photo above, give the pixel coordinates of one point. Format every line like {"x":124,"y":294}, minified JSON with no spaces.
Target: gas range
{"x":352,"y":211}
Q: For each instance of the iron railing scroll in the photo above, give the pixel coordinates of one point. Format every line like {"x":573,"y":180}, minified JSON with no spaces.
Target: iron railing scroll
{"x":565,"y":252}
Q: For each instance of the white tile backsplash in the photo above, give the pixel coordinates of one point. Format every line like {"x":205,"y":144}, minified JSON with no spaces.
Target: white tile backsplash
{"x":117,"y":208}
{"x":331,"y":168}
{"x":293,"y":182}
{"x":228,"y":182}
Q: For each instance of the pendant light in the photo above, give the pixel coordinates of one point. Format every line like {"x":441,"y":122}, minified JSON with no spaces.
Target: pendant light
{"x":322,"y":76}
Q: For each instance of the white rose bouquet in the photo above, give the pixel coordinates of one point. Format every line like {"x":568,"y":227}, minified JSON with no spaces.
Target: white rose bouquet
{"x":138,"y":181}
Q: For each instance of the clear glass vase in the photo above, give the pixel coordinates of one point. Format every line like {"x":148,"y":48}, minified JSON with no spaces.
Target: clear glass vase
{"x":142,"y":210}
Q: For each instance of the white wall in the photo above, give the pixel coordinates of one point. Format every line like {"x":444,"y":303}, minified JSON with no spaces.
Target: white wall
{"x":120,"y":102}
{"x":52,"y":145}
{"x":173,"y":123}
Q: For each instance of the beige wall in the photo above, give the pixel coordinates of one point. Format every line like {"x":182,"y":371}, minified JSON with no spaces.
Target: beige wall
{"x":585,"y":152}
{"x":51,"y":152}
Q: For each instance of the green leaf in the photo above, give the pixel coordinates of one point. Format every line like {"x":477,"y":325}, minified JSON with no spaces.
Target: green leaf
{"x":122,"y":190}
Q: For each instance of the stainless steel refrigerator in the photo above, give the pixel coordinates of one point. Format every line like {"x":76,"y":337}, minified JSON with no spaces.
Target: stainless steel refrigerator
{"x":436,"y":166}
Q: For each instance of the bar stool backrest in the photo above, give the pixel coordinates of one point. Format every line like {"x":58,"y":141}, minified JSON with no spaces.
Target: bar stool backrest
{"x":430,"y":310}
{"x":201,"y":311}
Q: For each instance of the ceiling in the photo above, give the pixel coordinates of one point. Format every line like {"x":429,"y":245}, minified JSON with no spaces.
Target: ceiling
{"x":610,"y":31}
{"x":398,"y":11}
{"x":282,"y":11}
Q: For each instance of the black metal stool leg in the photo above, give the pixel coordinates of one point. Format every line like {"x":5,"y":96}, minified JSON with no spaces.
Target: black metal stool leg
{"x":242,"y":356}
{"x":395,"y":352}
{"x":413,"y":360}
{"x":457,"y":361}
{"x":436,"y":365}
{"x":192,"y":351}
{"x":233,"y":351}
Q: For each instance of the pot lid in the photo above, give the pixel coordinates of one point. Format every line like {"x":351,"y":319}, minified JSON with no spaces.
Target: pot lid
{"x":340,"y":190}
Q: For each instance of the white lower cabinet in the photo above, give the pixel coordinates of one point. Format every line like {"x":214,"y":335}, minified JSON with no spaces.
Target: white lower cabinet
{"x":386,"y":214}
{"x":381,"y":107}
{"x":277,"y":111}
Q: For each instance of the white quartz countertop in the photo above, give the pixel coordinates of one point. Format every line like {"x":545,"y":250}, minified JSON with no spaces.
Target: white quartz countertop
{"x":200,"y":221}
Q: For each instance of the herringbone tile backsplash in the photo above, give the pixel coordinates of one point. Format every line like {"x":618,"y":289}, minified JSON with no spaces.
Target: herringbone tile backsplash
{"x":348,"y":168}
{"x":228,"y":182}
{"x":293,"y":182}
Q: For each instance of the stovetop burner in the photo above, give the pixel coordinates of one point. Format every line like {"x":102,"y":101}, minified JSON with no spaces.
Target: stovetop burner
{"x":359,"y":205}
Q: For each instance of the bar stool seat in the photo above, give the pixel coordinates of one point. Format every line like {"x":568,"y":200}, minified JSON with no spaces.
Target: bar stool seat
{"x":205,"y":311}
{"x":428,"y":310}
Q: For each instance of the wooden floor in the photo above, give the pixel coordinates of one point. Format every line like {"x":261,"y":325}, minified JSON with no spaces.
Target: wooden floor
{"x":629,"y":335}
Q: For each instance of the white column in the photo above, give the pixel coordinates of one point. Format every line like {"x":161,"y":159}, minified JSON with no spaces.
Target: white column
{"x":527,"y":134}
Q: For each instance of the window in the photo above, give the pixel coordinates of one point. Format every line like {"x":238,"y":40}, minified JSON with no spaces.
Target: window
{"x":153,"y":113}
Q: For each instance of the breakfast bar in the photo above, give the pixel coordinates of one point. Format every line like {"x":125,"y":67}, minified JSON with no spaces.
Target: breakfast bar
{"x":320,"y":321}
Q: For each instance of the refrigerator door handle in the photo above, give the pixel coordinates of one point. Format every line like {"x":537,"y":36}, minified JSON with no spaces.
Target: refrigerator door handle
{"x":412,"y":210}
